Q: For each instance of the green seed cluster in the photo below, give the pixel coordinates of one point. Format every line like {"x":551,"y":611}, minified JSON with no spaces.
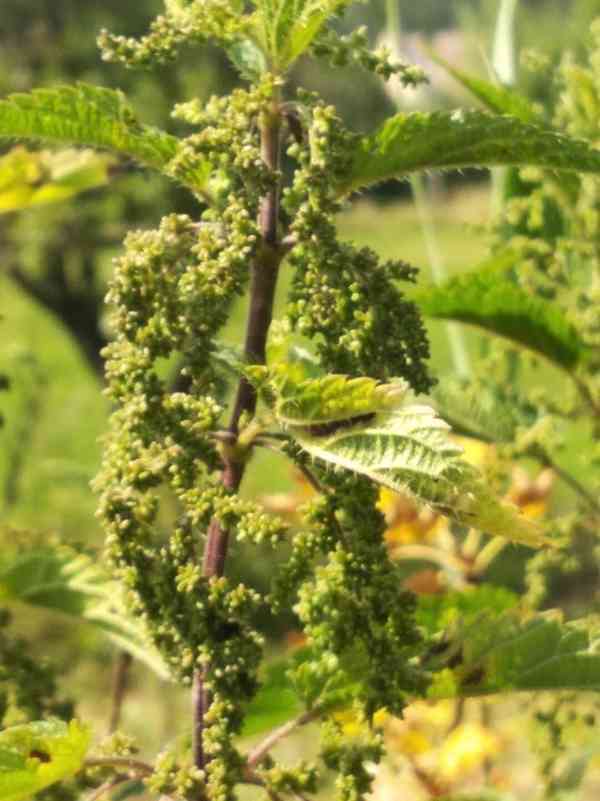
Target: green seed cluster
{"x":353,"y":49}
{"x":344,"y":297}
{"x":185,"y":21}
{"x":304,"y":778}
{"x":349,"y":761}
{"x":175,"y":778}
{"x":351,"y":607}
{"x":229,"y":141}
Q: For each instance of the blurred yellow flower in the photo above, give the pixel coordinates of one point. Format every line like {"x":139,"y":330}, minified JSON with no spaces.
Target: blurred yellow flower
{"x":465,"y":749}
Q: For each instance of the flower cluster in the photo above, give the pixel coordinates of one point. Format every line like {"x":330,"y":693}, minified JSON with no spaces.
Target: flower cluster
{"x":342,"y":51}
{"x":184,"y":21}
{"x":344,"y":297}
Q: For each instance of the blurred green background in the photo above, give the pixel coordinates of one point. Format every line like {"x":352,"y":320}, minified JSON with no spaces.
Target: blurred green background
{"x":56,"y":259}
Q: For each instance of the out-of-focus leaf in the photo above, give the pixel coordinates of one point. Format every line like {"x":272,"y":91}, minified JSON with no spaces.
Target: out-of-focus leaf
{"x":34,"y":178}
{"x":276,"y":701}
{"x":493,"y":654}
{"x":35,"y":755}
{"x":61,"y":579}
{"x":435,"y":613}
{"x":487,"y":299}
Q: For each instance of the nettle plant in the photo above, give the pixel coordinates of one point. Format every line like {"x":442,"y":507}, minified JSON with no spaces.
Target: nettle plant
{"x":332,"y":387}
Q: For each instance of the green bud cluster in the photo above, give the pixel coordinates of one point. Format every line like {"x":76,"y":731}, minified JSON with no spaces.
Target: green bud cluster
{"x":353,"y":49}
{"x":185,"y":21}
{"x":349,"y":761}
{"x":341,"y":296}
{"x":229,"y":141}
{"x":357,"y":619}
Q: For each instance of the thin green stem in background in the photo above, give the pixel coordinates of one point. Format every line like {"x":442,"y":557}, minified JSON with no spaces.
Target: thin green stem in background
{"x":460,"y":356}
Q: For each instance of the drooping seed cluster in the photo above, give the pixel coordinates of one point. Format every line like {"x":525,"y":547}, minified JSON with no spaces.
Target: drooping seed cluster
{"x":344,"y":297}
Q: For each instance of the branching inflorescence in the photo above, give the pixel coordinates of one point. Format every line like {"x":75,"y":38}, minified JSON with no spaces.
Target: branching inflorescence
{"x":271,"y":173}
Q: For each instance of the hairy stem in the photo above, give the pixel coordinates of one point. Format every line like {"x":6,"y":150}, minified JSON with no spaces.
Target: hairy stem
{"x":263,"y":283}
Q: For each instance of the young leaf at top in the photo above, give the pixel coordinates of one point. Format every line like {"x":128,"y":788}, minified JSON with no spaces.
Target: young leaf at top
{"x":377,"y":430}
{"x":453,"y":139}
{"x":91,"y":116}
{"x":35,"y":755}
{"x":287,"y":28}
{"x":493,"y":302}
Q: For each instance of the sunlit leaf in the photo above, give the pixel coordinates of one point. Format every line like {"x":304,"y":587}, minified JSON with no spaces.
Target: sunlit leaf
{"x":377,"y":430}
{"x":91,"y":116}
{"x":287,"y":28}
{"x":408,"y":143}
{"x":35,"y":755}
{"x":495,"y":96}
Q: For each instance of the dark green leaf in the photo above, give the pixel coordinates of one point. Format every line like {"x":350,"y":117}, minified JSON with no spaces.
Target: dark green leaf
{"x":487,"y":299}
{"x":492,"y":654}
{"x":450,"y":140}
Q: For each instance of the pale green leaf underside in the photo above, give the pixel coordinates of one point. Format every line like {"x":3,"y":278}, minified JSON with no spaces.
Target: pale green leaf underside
{"x":505,"y":654}
{"x":333,"y":398}
{"x":493,"y":302}
{"x":90,"y":116}
{"x":381,"y":434}
{"x":449,"y":140}
{"x":35,"y":755}
{"x":62,"y":580}
{"x":30,"y":179}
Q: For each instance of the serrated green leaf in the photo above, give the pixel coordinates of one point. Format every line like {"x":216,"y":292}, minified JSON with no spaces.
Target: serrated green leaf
{"x":91,"y":116}
{"x":62,"y":580}
{"x":436,"y":613}
{"x":451,"y":140}
{"x":377,"y":431}
{"x":487,"y":299}
{"x":498,"y":654}
{"x":478,"y":412}
{"x":36,"y":755}
{"x":494,"y":96}
{"x":332,"y":398}
{"x":30,"y":179}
